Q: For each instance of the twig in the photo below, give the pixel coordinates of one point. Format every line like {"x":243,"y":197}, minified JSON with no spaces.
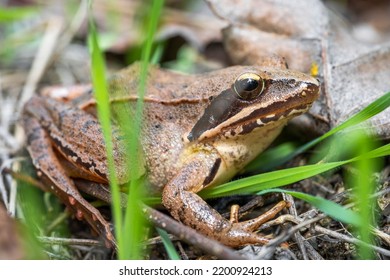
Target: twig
{"x":69,"y":241}
{"x":302,"y":224}
{"x":25,"y":178}
{"x":9,"y":201}
{"x":9,"y":140}
{"x":57,"y":221}
{"x":351,"y":240}
{"x":74,"y":26}
{"x":384,"y":236}
{"x":41,"y":60}
{"x":314,"y":255}
{"x":3,"y":189}
{"x":297,"y":236}
{"x":157,"y":239}
{"x":183,"y":254}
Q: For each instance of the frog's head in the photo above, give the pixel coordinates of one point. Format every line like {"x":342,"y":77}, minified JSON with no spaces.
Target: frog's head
{"x":255,"y":97}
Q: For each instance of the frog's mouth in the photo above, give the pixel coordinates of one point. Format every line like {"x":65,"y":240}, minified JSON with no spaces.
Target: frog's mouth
{"x":228,"y":115}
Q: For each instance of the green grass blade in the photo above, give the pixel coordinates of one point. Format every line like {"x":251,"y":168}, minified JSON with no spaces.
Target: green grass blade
{"x":168,"y":245}
{"x":9,"y":14}
{"x":330,"y":208}
{"x":284,"y":177}
{"x":362,"y":183}
{"x":34,"y":215}
{"x":134,"y":217}
{"x":104,"y":114}
{"x":270,"y":180}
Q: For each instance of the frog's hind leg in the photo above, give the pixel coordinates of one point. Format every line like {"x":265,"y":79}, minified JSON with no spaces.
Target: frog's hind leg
{"x":180,"y":198}
{"x":51,"y":172}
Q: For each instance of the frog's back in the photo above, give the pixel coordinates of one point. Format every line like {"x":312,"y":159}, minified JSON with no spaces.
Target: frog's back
{"x":161,"y":85}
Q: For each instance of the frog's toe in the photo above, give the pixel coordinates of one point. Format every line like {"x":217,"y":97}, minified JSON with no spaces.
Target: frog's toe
{"x":243,"y":233}
{"x":253,"y":224}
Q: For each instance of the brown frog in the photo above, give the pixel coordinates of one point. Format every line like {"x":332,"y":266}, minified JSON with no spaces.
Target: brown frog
{"x":198,"y":131}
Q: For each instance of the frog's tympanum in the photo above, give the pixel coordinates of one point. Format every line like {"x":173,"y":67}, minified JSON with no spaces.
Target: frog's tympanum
{"x":198,"y":131}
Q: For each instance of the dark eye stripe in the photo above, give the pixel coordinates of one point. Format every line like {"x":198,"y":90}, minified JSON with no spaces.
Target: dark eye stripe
{"x":220,"y":109}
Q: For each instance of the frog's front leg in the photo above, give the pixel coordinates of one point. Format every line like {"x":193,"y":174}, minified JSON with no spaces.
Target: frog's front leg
{"x":180,"y":198}
{"x":53,"y":174}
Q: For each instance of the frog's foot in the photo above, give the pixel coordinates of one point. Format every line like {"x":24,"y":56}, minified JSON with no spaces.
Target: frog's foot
{"x":250,"y":226}
{"x":253,"y":224}
{"x":180,"y":198}
{"x":194,"y":212}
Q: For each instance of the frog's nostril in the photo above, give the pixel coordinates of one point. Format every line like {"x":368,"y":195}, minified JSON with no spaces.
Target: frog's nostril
{"x":314,"y":81}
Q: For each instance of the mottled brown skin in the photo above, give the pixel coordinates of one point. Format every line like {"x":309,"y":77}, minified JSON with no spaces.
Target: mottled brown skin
{"x":180,"y":157}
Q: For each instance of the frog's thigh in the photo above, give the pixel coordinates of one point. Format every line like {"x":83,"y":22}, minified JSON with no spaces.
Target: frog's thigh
{"x":48,"y":166}
{"x":180,"y":198}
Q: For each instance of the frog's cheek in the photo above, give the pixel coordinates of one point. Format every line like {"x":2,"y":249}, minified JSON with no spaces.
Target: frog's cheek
{"x":219,"y":110}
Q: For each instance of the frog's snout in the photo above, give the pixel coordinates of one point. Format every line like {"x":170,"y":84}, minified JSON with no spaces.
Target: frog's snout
{"x":311,"y":87}
{"x":311,"y":81}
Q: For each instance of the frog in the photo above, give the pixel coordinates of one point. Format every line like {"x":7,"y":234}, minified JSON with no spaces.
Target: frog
{"x":197,"y":132}
{"x":315,"y":41}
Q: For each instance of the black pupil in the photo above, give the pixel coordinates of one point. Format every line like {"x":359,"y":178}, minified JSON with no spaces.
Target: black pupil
{"x":248,"y":84}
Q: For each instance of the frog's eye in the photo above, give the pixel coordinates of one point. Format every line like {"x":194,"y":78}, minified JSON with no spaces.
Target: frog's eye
{"x":248,"y":86}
